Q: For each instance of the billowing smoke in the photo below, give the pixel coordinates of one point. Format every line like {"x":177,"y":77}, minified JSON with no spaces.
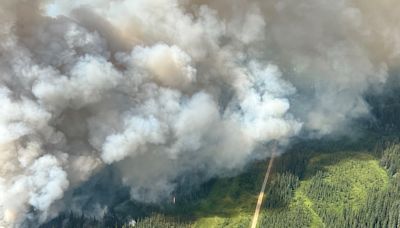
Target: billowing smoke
{"x":164,"y":89}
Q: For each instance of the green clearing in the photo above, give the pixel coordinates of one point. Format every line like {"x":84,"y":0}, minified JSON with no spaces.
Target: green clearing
{"x":231,"y":201}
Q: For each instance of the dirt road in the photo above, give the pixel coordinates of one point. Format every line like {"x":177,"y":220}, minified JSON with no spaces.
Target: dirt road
{"x":261,"y":195}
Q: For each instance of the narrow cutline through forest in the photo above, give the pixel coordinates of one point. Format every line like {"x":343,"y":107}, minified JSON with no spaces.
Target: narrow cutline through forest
{"x":261,"y":195}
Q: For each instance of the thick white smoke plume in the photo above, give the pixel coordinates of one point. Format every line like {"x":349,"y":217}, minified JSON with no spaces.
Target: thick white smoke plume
{"x":168,"y":88}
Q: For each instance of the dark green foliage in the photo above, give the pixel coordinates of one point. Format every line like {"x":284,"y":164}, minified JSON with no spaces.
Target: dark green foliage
{"x":385,"y":108}
{"x":322,"y":190}
{"x":159,"y":221}
{"x":391,"y":158}
{"x":110,"y":221}
{"x":283,"y":218}
{"x":381,"y":207}
{"x":72,"y":220}
{"x":381,"y":210}
{"x":281,"y":190}
{"x":294,"y":162}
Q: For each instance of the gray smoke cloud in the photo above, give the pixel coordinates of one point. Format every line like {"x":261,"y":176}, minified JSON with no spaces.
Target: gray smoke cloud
{"x":167,"y":88}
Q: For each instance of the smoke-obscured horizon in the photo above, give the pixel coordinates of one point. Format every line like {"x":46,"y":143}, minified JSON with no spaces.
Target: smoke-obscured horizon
{"x":165,"y":90}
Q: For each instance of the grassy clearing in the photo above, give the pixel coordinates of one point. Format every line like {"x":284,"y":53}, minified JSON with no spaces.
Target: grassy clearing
{"x":231,"y":201}
{"x":348,"y":178}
